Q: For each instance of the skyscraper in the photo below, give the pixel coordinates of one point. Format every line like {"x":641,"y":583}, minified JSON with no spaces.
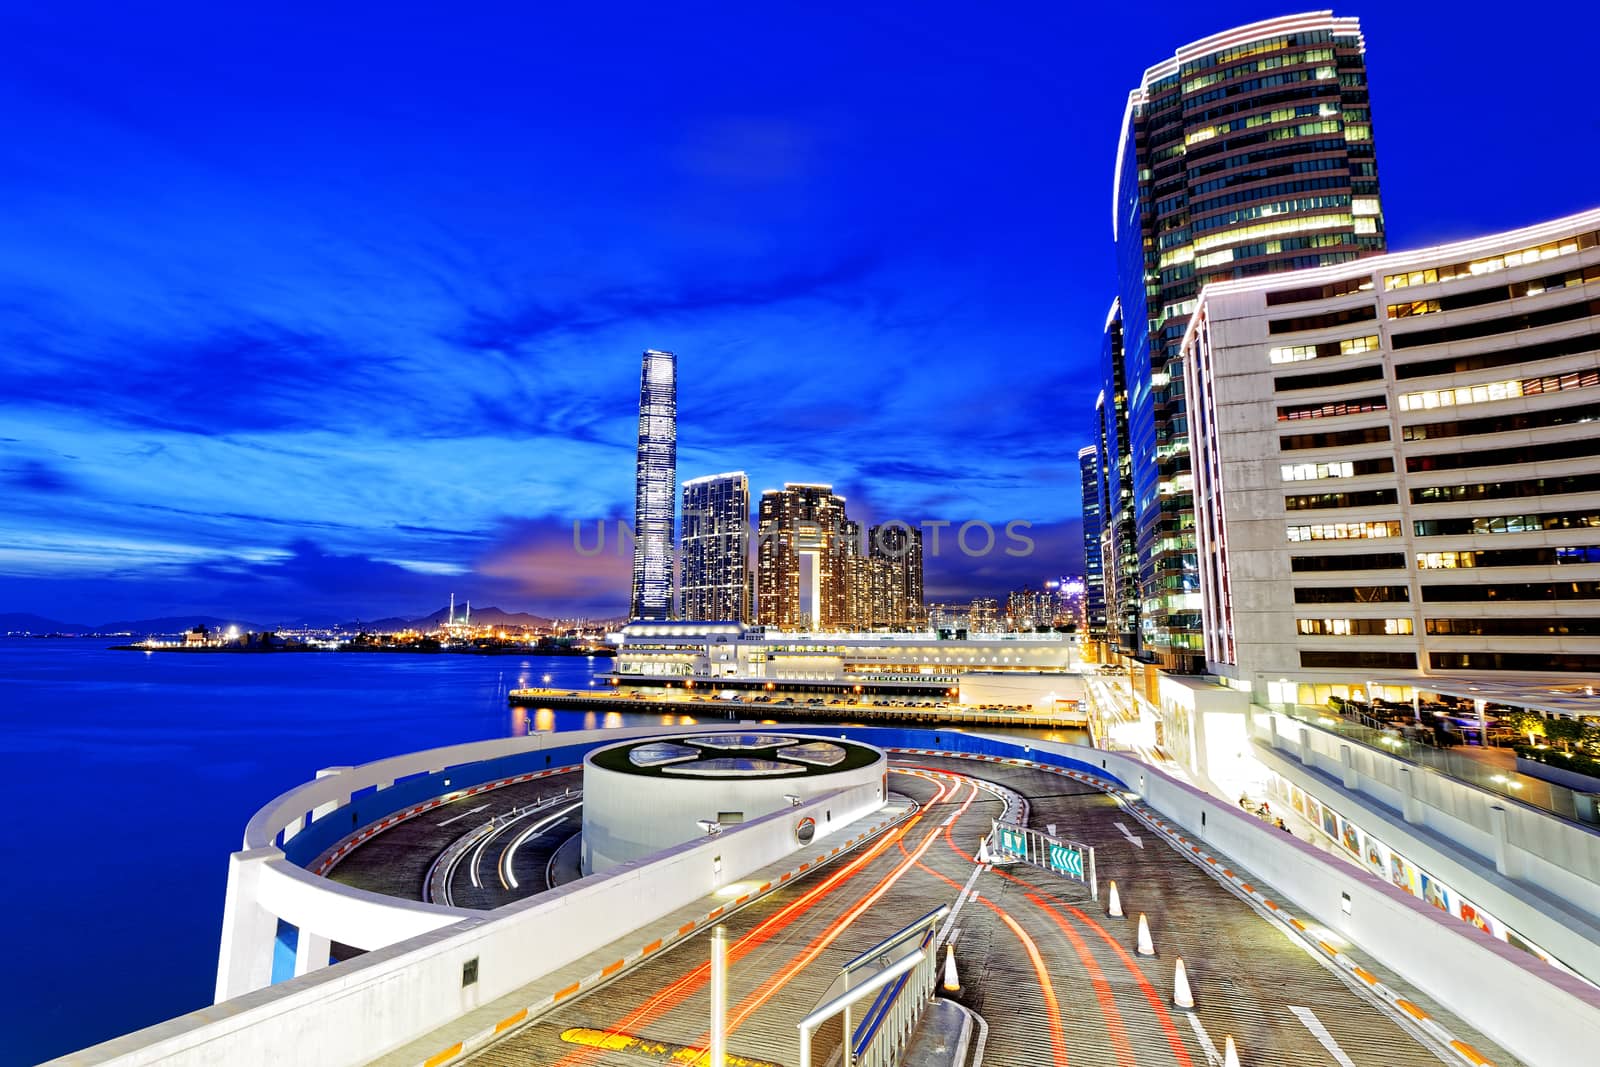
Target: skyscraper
{"x":715,"y":548}
{"x":1119,"y":557}
{"x":1246,"y":153}
{"x":655,"y":487}
{"x":896,"y":577}
{"x":1095,"y":591}
{"x":802,"y":559}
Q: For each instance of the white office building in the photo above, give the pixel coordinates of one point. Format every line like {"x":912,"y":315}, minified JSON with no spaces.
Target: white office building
{"x":1397,"y":468}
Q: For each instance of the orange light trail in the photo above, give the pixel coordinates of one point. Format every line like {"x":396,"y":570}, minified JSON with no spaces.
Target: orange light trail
{"x":673,"y":994}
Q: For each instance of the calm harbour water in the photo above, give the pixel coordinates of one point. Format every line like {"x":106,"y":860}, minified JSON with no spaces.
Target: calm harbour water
{"x":131,"y":776}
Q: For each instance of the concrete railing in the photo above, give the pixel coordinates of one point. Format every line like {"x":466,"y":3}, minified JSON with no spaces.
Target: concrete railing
{"x":350,"y":1014}
{"x":1539,"y":874}
{"x":268,"y":882}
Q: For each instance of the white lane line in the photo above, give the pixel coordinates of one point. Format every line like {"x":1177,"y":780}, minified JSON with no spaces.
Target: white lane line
{"x":463,"y":815}
{"x":1320,"y":1032}
{"x":509,"y":880}
{"x":1213,"y":1057}
{"x":1135,"y":841}
{"x":961,"y":899}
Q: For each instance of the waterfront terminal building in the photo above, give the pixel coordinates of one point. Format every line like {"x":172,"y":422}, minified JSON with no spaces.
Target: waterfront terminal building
{"x":1397,"y":469}
{"x":731,"y":655}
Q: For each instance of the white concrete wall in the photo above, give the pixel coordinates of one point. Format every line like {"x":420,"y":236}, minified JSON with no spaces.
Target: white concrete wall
{"x":265,"y":886}
{"x":353,"y":1013}
{"x":627,"y":816}
{"x":1022,"y":689}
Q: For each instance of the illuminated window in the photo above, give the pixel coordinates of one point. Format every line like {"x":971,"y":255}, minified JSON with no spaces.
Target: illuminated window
{"x":1355,"y":627}
{"x":1471,"y":268}
{"x":1343,"y":531}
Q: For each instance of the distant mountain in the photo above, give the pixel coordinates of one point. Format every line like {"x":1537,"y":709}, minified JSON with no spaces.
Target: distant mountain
{"x":24,"y":623}
{"x":481,"y":617}
{"x":176,"y":624}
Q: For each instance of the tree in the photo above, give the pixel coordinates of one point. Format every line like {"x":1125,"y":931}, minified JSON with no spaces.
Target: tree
{"x":1565,"y":732}
{"x":1525,"y":722}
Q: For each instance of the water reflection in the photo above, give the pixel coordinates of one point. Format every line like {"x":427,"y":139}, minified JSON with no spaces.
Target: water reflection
{"x":544,"y":720}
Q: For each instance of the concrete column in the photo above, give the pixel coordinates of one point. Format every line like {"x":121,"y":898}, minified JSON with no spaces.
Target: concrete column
{"x":322,"y":809}
{"x":1502,"y":840}
{"x":1410,"y":806}
{"x":310,"y":952}
{"x":1307,"y":756}
{"x":1347,"y":762}
{"x":1277,"y":738}
{"x":244,"y":961}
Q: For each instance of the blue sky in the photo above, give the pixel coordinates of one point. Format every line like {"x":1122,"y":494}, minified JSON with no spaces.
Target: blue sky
{"x":311,"y":311}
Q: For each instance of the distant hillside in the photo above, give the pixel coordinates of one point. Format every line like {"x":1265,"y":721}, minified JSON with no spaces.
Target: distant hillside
{"x":24,"y":623}
{"x":481,"y":617}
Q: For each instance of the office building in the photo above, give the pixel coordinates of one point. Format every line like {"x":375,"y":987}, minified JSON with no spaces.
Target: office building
{"x":1398,"y":469}
{"x":1094,"y":581}
{"x":1245,"y":154}
{"x":715,"y":549}
{"x":655,"y":487}
{"x":1119,"y":556}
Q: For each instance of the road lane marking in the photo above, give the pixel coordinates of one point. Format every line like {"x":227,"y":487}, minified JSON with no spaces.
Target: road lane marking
{"x":1213,"y":1057}
{"x":463,"y":815}
{"x":1135,"y":841}
{"x":1320,"y":1032}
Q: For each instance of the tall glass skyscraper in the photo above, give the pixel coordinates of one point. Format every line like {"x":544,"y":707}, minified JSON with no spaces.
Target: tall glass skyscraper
{"x":1119,"y":558}
{"x":1247,"y":153}
{"x":1093,"y":578}
{"x":655,"y":487}
{"x":715,"y":548}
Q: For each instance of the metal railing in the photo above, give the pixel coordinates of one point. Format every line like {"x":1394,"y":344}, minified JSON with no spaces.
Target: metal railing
{"x":436,"y":886}
{"x":899,"y":974}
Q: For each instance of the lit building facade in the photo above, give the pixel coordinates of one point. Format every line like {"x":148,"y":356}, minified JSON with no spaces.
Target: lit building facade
{"x":1094,"y":580}
{"x":983,"y":617}
{"x":803,"y":559}
{"x":731,"y":654}
{"x":1397,"y":464}
{"x":655,"y":487}
{"x":1119,"y":555}
{"x":715,"y":548}
{"x":896,"y":577}
{"x":1247,"y":153}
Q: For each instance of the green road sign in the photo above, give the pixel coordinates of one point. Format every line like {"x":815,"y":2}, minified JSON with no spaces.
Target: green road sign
{"x":1013,"y":843}
{"x":1067,"y":860}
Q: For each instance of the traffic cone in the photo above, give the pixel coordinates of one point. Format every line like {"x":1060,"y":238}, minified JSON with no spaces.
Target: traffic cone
{"x":1181,"y":994}
{"x":1230,"y":1055}
{"x":952,"y":983}
{"x":1115,"y":908}
{"x":1146,"y":946}
{"x":983,"y":850}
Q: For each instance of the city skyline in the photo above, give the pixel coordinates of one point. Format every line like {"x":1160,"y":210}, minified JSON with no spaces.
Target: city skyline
{"x":363,"y":395}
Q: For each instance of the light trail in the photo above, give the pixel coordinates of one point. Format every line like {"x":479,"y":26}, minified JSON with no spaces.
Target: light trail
{"x":1038,"y":897}
{"x":773,"y":985}
{"x":508,"y":857}
{"x":684,"y":987}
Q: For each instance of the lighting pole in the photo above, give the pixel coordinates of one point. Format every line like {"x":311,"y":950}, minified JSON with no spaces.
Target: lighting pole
{"x":719,"y":997}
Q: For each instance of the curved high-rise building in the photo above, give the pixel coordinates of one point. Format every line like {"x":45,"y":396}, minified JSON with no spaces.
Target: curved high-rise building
{"x":655,"y":487}
{"x":1244,"y":154}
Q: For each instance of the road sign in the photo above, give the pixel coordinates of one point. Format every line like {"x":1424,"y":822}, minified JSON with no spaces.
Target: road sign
{"x":1067,"y":860}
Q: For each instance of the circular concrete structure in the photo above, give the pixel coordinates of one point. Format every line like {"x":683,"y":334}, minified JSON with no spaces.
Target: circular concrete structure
{"x":645,"y":795}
